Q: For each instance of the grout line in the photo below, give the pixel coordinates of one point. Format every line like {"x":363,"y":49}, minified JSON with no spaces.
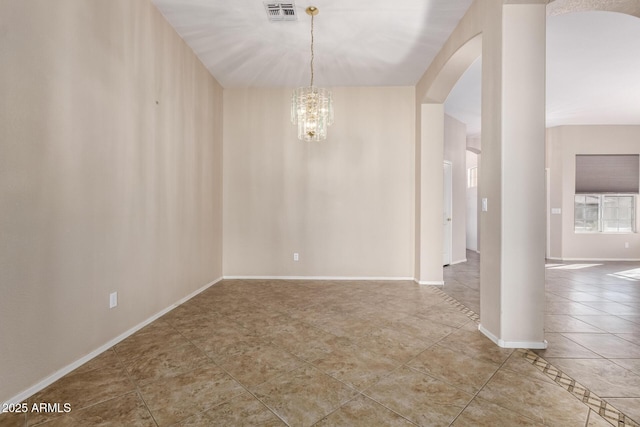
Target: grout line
{"x":590,"y":399}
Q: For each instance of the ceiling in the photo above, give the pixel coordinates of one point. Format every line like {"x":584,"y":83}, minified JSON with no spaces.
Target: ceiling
{"x":357,"y":42}
{"x":593,"y":58}
{"x":593,"y":73}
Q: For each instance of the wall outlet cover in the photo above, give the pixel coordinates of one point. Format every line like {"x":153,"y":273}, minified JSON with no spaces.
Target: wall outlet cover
{"x":113,"y":299}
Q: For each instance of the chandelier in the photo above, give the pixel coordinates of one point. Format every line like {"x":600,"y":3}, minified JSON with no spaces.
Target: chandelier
{"x":312,"y":107}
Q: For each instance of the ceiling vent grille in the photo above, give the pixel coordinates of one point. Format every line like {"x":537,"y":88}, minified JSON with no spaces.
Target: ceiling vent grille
{"x":281,"y":11}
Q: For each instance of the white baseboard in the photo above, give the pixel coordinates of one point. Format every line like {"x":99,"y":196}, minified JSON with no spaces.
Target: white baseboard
{"x":594,"y":259}
{"x":344,"y":278}
{"x":430,"y":282}
{"x":458,"y":262}
{"x":535,"y":345}
{"x":67,"y":369}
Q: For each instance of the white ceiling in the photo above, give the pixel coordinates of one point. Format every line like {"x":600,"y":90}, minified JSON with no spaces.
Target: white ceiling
{"x":357,"y":42}
{"x":593,"y":58}
{"x":593,"y":73}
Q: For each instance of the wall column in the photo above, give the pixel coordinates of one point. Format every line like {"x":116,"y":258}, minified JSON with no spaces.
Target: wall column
{"x":513,"y":178}
{"x":430,"y":195}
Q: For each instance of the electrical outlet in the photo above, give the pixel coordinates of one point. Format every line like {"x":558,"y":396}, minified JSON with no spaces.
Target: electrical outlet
{"x":296,"y":256}
{"x":626,"y":245}
{"x":113,"y":299}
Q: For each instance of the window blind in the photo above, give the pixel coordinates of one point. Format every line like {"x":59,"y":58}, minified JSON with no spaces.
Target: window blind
{"x":607,"y":173}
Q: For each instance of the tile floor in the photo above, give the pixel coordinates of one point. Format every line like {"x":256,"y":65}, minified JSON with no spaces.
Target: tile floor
{"x":310,"y":353}
{"x":592,"y":323}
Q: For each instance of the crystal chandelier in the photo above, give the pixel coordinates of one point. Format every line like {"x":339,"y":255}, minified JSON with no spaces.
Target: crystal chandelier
{"x":312,"y":107}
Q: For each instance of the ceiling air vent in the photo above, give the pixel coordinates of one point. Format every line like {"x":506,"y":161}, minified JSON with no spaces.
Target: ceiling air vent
{"x":281,"y":11}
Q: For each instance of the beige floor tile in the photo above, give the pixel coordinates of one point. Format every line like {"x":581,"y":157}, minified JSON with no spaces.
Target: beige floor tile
{"x":578,"y":296}
{"x":608,"y":323}
{"x":603,"y":377}
{"x":561,"y":346}
{"x":633,"y":338}
{"x":157,"y":335}
{"x":312,"y":344}
{"x":393,"y":344}
{"x":107,"y":359}
{"x":596,"y":420}
{"x":241,"y":411}
{"x":422,"y":329}
{"x":628,"y":406}
{"x":315,"y":314}
{"x":165,"y":362}
{"x":420,"y":398}
{"x":210,"y":328}
{"x":571,"y":308}
{"x":474,"y":344}
{"x":363,"y":412}
{"x":304,"y":396}
{"x":481,"y":413}
{"x":565,"y":323}
{"x":631,"y":364}
{"x":464,"y":372}
{"x":444,"y":314}
{"x":606,"y":345}
{"x":13,"y":419}
{"x":538,"y":400}
{"x":356,"y":366}
{"x":631,"y":318}
{"x":226,"y":342}
{"x":613,"y":307}
{"x":175,"y":398}
{"x":345,"y":325}
{"x":127,"y":410}
{"x":81,"y":390}
{"x":294,"y":331}
{"x":359,"y":333}
{"x":257,"y":363}
{"x":521,"y":366}
{"x":185,"y":317}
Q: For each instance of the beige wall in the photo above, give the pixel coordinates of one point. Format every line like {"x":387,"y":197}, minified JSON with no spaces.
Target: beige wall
{"x":461,"y":49}
{"x":510,"y":38}
{"x":455,"y":143}
{"x":563,"y":143}
{"x":345,"y":204}
{"x":110,"y":178}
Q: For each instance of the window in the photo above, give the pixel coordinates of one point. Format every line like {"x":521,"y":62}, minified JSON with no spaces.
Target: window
{"x":609,"y":213}
{"x":472,"y":177}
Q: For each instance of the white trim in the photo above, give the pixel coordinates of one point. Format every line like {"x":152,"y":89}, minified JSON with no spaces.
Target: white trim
{"x":458,"y":262}
{"x":67,"y":369}
{"x":363,"y":278}
{"x":594,"y":259}
{"x":429,"y":282}
{"x":547,"y":182}
{"x":536,"y":345}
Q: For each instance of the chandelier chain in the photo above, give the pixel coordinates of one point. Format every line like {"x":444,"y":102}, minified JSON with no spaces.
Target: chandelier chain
{"x":312,"y":55}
